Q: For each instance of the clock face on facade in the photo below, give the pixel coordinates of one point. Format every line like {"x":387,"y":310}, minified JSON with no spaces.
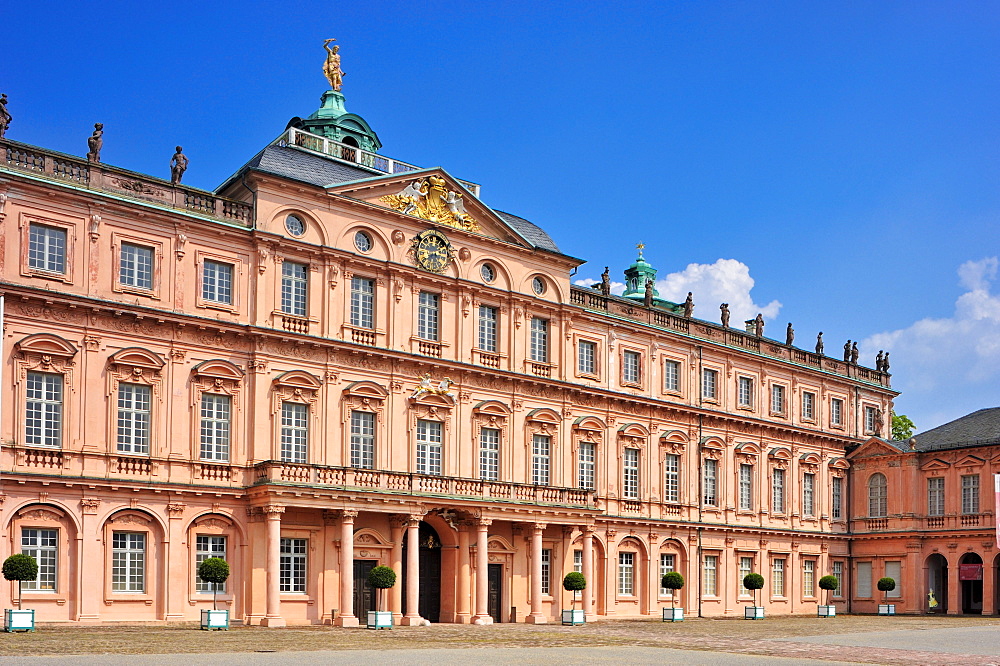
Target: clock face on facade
{"x":432,"y":251}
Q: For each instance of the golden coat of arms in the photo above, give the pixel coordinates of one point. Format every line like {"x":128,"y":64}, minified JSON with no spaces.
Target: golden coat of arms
{"x":430,"y":199}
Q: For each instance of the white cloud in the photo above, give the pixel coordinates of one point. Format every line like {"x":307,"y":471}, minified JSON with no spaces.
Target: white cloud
{"x":617,"y":288}
{"x":725,"y":281}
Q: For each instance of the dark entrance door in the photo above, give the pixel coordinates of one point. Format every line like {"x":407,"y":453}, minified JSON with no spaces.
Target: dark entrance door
{"x":429,"y":604}
{"x":970,"y":574}
{"x":496,"y":591}
{"x":364,"y":595}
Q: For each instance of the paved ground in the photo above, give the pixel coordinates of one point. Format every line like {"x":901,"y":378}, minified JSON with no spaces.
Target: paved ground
{"x":952,"y":640}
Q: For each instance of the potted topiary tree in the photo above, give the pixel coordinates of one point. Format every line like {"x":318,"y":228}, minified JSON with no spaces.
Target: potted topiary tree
{"x":214,"y":570}
{"x":380,"y":578}
{"x":828,"y":583}
{"x":574,"y":582}
{"x":19,"y":567}
{"x":886,"y":585}
{"x":753,"y":581}
{"x":672,"y":581}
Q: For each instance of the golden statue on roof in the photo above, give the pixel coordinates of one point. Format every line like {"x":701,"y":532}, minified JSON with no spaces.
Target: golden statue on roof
{"x":331,"y":68}
{"x":430,"y":199}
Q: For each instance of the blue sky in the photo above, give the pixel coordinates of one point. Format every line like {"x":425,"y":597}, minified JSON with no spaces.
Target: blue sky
{"x":840,"y":159}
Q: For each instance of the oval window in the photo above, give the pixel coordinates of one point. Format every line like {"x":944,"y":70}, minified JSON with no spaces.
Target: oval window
{"x":488,"y":272}
{"x":294,"y":225}
{"x":538,"y":286}
{"x":363,"y":242}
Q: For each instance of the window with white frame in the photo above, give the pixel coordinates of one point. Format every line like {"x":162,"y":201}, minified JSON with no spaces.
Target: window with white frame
{"x":808,"y":406}
{"x":578,"y":561}
{"x":837,"y":491}
{"x":294,"y":432}
{"x":710,"y":480}
{"x":808,"y":578}
{"x":215,"y":421}
{"x":667,"y":564}
{"x":746,"y":487}
{"x":134,"y":410}
{"x":46,"y":248}
{"x":128,"y":562}
{"x":893,"y":570}
{"x":43,"y":545}
{"x":672,"y":376}
{"x":362,"y":302}
{"x":630,"y":468}
{"x":540,"y":459}
{"x":878,"y":496}
{"x":586,"y":357}
{"x":836,"y":412}
{"x":546,"y":570}
{"x":489,"y":454}
{"x":362,"y":440}
{"x":935,"y":496}
{"x":586,"y":465}
{"x":429,"y":438}
{"x":428,"y":314}
{"x":809,"y":495}
{"x":292,"y":566}
{"x":745,"y":569}
{"x":970,"y":493}
{"x":777,"y":490}
{"x":777,"y":399}
{"x":709,"y":576}
{"x":488,"y":328}
{"x":709,"y":384}
{"x":745,"y":391}
{"x":293,"y":288}
{"x":870,"y":413}
{"x":671,"y":478}
{"x":43,"y":409}
{"x":837,"y":569}
{"x":631,"y":362}
{"x":626,"y":574}
{"x":539,"y":340}
{"x":217,"y":282}
{"x":778,"y":577}
{"x":206,"y":546}
{"x":863,"y":584}
{"x":135,"y":266}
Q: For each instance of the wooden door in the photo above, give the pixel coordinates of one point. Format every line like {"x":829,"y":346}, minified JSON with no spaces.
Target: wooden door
{"x":496,"y":592}
{"x":364,"y":595}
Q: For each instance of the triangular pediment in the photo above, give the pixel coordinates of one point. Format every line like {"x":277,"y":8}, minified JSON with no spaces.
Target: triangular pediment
{"x":970,"y":461}
{"x":874,"y":447}
{"x":936,"y":464}
{"x":434,"y":196}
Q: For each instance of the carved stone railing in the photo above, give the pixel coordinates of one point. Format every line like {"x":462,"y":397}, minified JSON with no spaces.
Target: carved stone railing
{"x":876,"y":524}
{"x":102,"y":177}
{"x":294,"y":324}
{"x":420,"y":484}
{"x":970,"y":520}
{"x":426,"y":348}
{"x":935,"y":521}
{"x":489,"y":360}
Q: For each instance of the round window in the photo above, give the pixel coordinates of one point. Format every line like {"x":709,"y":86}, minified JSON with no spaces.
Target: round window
{"x":488,"y":272}
{"x":363,"y":242}
{"x":538,"y":286}
{"x":295,"y":225}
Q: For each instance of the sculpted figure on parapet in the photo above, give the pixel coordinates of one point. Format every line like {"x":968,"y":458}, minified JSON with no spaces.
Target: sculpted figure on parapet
{"x":331,"y":68}
{"x":819,"y":343}
{"x":5,"y":116}
{"x":725,"y":314}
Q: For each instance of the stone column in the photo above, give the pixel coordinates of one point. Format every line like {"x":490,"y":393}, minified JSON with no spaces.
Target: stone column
{"x":588,"y":571}
{"x":412,"y":617}
{"x":346,"y":617}
{"x":464,"y":610}
{"x":954,"y":587}
{"x":989,"y":581}
{"x":536,"y":616}
{"x":482,"y":571}
{"x":175,"y":575}
{"x":396,"y":591}
{"x":273,"y":617}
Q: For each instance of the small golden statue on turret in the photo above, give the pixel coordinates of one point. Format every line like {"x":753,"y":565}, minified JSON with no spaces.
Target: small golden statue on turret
{"x":331,"y":68}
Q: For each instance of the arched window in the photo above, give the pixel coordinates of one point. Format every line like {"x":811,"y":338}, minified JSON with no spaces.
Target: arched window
{"x":877,"y":495}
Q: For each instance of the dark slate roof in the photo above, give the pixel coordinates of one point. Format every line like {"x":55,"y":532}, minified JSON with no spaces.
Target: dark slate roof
{"x":975,"y":429}
{"x":530,"y":231}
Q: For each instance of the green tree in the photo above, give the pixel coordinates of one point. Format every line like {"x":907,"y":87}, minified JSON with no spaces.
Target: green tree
{"x":381,"y":578}
{"x":214,"y":570}
{"x":574,"y":582}
{"x":828,"y":583}
{"x":753,"y":581}
{"x":20,"y":567}
{"x":902,"y":427}
{"x":672,"y":581}
{"x":885,"y":586}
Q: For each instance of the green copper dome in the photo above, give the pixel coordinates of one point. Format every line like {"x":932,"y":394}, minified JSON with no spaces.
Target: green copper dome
{"x":636,"y":276}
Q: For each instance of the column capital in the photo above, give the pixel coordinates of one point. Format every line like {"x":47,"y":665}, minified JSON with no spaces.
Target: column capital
{"x":348,"y":515}
{"x":483,"y":523}
{"x":413,"y":520}
{"x":273,"y":511}
{"x":538,"y":527}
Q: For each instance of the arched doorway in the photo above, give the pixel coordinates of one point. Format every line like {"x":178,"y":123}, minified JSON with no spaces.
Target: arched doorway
{"x":970,"y":577}
{"x":936,"y":567}
{"x":429,"y":603}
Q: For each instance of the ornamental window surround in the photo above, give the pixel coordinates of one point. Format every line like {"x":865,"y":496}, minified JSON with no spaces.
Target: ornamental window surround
{"x":215,"y":397}
{"x":294,"y":401}
{"x":808,"y":406}
{"x":970,"y":494}
{"x":588,"y":434}
{"x":672,"y":446}
{"x":709,"y":384}
{"x":935,"y":496}
{"x":132,"y":541}
{"x":43,"y":531}
{"x":43,"y":545}
{"x":429,"y":424}
{"x":212,"y":535}
{"x":632,"y":439}
{"x":878,"y":494}
{"x":488,"y":338}
{"x":135,"y":387}
{"x":490,"y":434}
{"x":745,"y":392}
{"x":44,"y":371}
{"x":631,"y":367}
{"x":219,"y":286}
{"x":294,"y":288}
{"x":746,"y":456}
{"x":778,"y":401}
{"x":48,"y":249}
{"x":586,"y":358}
{"x":428,"y":315}
{"x":836,"y":413}
{"x":362,"y":313}
{"x":541,"y":434}
{"x":138,"y":263}
{"x":539,"y":340}
{"x":362,"y":417}
{"x":671,"y":376}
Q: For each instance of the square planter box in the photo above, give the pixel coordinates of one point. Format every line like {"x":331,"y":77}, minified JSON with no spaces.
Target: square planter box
{"x":826,"y":611}
{"x":18,"y":620}
{"x":673,"y":614}
{"x":753,"y":612}
{"x":573,"y":617}
{"x":887,"y":609}
{"x":380,"y":619}
{"x":214,"y":619}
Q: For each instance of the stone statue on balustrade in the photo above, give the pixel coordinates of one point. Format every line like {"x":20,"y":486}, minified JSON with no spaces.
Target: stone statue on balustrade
{"x":819,"y":343}
{"x":725,"y":314}
{"x":178,"y":165}
{"x":606,"y":282}
{"x":878,"y":361}
{"x":689,"y":306}
{"x":885,"y":363}
{"x":5,"y":116}
{"x":847,"y":352}
{"x":789,"y":335}
{"x":758,"y":325}
{"x":855,"y":353}
{"x":648,"y":297}
{"x":95,"y":143}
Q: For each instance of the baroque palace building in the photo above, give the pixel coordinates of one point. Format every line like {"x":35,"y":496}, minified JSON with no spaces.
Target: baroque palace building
{"x":337,"y":360}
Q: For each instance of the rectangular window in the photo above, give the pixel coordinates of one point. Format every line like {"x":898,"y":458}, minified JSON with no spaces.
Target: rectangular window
{"x":215,"y":413}
{"x":970,"y":493}
{"x":134,"y":407}
{"x":630,"y":367}
{"x":43,"y":409}
{"x":540,"y":449}
{"x":205,"y":547}
{"x":709,"y":576}
{"x":808,"y":494}
{"x":578,"y":561}
{"x":630,"y":467}
{"x":709,"y":384}
{"x":626,"y":574}
{"x":667,"y":564}
{"x":809,"y":578}
{"x":586,"y":465}
{"x":778,"y":491}
{"x":539,"y":340}
{"x":745,"y":392}
{"x":778,"y":399}
{"x":671,"y":376}
{"x":488,"y":328}
{"x":863,"y":586}
{"x":292,"y":567}
{"x":870,"y":420}
{"x":43,"y":545}
{"x":672,"y":478}
{"x":778,"y":578}
{"x":136,"y":266}
{"x":809,"y":406}
{"x":489,"y":454}
{"x":362,"y":440}
{"x":894,"y":570}
{"x":128,"y":562}
{"x":546,"y":570}
{"x":586,"y":357}
{"x":836,"y":412}
{"x":746,"y":487}
{"x":838,"y":573}
{"x":935,"y":496}
{"x":711,"y":475}
{"x":362,"y":302}
{"x":837,"y":491}
{"x":428,"y":311}
{"x":217,"y":282}
{"x":293,"y":288}
{"x":746,"y":568}
{"x":294,"y":432}
{"x":428,"y":447}
{"x":47,"y":248}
